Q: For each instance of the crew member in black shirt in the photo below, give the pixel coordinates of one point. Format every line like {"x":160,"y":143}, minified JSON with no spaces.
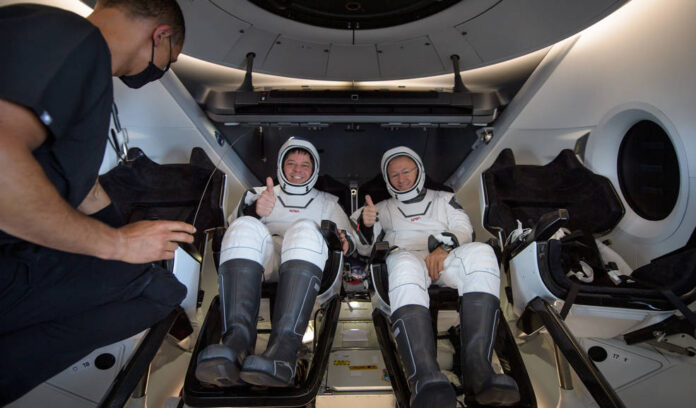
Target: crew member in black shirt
{"x":73,"y":277}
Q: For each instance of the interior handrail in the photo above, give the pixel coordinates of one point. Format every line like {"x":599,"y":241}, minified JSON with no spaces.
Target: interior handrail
{"x":587,"y":371}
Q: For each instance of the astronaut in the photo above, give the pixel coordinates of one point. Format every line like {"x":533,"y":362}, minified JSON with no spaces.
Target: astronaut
{"x":433,"y":237}
{"x":276,"y":237}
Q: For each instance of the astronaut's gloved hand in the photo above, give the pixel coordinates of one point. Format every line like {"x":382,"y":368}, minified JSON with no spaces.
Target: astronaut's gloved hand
{"x":266,"y":201}
{"x":369,"y":212}
{"x":435,"y":262}
{"x":345,"y":245}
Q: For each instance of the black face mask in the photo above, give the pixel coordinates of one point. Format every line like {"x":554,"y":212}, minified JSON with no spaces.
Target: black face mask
{"x":150,"y":73}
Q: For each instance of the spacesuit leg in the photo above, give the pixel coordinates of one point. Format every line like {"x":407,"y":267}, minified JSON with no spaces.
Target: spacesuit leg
{"x":246,"y":246}
{"x":408,"y":280}
{"x":473,"y":270}
{"x":303,"y":257}
{"x":413,"y":331}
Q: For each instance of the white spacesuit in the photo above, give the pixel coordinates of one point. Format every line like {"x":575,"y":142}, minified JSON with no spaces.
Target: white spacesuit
{"x":285,"y":246}
{"x":417,"y":221}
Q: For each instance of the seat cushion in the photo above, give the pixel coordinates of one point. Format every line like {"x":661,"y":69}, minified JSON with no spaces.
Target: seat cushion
{"x":676,"y":272}
{"x":526,"y":192}
{"x":555,"y":262}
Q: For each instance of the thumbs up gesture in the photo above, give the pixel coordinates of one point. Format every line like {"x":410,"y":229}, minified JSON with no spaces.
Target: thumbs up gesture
{"x":369,"y":212}
{"x":266,"y":201}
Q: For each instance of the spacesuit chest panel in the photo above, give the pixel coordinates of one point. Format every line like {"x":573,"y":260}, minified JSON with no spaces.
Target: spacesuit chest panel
{"x":290,"y":208}
{"x":409,"y":225}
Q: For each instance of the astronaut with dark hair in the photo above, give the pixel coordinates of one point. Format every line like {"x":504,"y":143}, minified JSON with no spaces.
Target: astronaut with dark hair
{"x":275,"y":238}
{"x":433,"y":239}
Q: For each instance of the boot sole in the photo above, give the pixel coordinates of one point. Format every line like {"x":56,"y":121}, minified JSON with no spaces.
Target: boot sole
{"x":218,"y":371}
{"x":262,"y":379}
{"x":258,"y":371}
{"x":217,"y":365}
{"x":499,"y":396}
{"x":438,"y":395}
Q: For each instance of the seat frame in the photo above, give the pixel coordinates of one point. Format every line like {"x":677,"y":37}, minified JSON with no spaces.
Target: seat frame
{"x":440,"y":299}
{"x":196,"y":394}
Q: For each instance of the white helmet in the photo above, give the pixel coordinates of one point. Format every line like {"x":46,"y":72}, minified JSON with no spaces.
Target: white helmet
{"x":417,"y":188}
{"x":285,"y":184}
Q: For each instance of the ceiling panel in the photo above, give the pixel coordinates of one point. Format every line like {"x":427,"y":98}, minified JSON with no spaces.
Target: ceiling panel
{"x":514,"y":28}
{"x":252,"y":40}
{"x":408,"y":58}
{"x":357,"y":61}
{"x":297,"y":58}
{"x":211,"y":32}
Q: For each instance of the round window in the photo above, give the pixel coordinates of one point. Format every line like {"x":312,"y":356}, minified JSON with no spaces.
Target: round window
{"x":648,"y":170}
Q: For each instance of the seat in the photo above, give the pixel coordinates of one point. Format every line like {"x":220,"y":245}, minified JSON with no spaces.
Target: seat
{"x":563,"y":193}
{"x":440,"y":299}
{"x":190,"y":192}
{"x":142,"y":189}
{"x":581,"y":291}
{"x":309,"y":376}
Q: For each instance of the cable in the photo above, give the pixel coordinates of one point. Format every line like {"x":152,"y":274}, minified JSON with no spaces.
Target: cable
{"x":316,"y":329}
{"x":215,"y":168}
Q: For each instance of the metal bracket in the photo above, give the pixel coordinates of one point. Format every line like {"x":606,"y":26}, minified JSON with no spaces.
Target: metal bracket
{"x":458,"y":83}
{"x":120,"y":145}
{"x":247,"y":85}
{"x":485,"y":135}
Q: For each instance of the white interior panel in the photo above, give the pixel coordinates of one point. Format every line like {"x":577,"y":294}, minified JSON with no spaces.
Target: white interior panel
{"x":512,"y":27}
{"x":499,"y":30}
{"x":262,"y":19}
{"x":635,"y":57}
{"x":210,"y":41}
{"x":301,"y":58}
{"x":449,"y":42}
{"x":163,"y":120}
{"x":407,"y":58}
{"x":252,"y":40}
{"x":456,"y":14}
{"x":344,"y":60}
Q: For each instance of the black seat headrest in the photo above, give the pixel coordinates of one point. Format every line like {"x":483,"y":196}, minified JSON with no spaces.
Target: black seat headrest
{"x":526,"y":192}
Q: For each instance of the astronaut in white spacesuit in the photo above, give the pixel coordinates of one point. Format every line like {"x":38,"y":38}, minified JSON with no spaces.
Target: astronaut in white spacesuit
{"x":433,"y":237}
{"x":276,"y":237}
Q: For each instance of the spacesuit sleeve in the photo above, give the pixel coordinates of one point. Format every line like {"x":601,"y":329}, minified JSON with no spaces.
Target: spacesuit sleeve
{"x":246,"y":204}
{"x":367,"y":237}
{"x":460,"y":230}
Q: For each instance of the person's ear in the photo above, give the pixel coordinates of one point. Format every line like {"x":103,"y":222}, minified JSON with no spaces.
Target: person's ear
{"x":162,"y":33}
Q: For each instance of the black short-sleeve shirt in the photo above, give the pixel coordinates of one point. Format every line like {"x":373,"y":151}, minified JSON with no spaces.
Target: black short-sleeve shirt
{"x":58,"y":64}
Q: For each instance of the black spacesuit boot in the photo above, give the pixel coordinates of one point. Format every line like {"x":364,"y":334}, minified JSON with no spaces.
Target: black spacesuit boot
{"x":239,"y":283}
{"x":478,"y":314}
{"x":413,"y":331}
{"x":297,"y":291}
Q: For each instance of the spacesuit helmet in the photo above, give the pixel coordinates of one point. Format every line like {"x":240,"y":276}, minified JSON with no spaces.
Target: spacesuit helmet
{"x":290,"y":145}
{"x":417,"y":187}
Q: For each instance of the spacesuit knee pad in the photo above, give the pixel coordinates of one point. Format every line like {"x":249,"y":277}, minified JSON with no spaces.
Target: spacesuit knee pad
{"x":303,"y":241}
{"x":472,"y":267}
{"x":246,"y":238}
{"x":408,"y":280}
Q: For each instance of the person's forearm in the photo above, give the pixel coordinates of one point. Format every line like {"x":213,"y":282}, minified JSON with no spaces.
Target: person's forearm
{"x":96,"y":200}
{"x":32,"y":209}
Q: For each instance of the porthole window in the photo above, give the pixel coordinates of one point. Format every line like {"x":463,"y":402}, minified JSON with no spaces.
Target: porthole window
{"x":648,"y":171}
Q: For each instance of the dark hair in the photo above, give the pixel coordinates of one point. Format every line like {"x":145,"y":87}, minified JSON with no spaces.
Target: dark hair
{"x":164,"y":11}
{"x":301,"y":151}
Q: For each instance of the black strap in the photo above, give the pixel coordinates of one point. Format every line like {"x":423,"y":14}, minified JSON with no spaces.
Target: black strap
{"x":570,"y":299}
{"x":674,"y":299}
{"x":669,"y":295}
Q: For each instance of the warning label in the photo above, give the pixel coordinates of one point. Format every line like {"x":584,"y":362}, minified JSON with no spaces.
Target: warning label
{"x":363,"y":367}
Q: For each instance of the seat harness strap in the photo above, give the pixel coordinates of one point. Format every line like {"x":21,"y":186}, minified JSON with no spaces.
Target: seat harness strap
{"x":570,"y":299}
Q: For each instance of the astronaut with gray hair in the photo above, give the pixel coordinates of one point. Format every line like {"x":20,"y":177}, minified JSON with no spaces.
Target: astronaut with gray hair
{"x":433,"y":239}
{"x":276,"y":237}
